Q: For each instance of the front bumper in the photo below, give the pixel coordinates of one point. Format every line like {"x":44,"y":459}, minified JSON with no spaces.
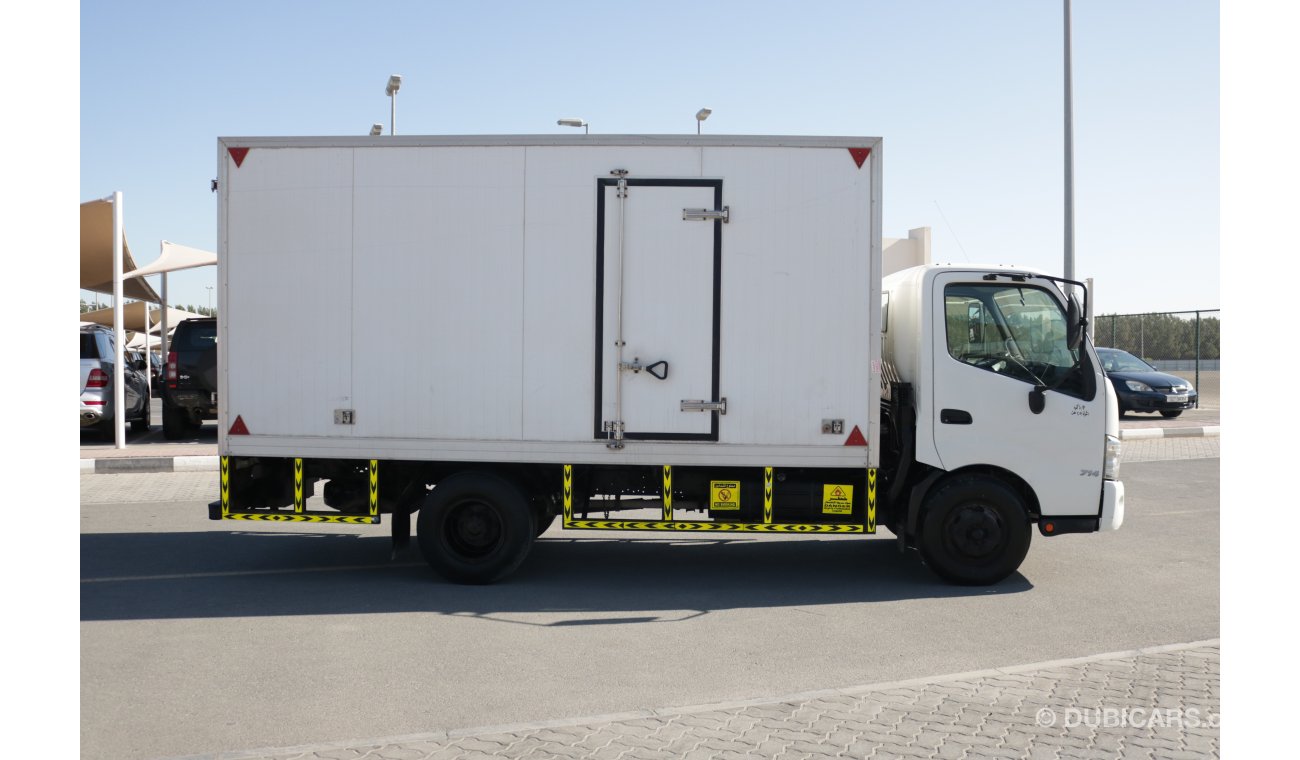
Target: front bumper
{"x":1112,"y":505}
{"x":1154,"y":401}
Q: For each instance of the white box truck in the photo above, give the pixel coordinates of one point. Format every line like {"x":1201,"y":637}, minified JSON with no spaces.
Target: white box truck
{"x":493,"y":332}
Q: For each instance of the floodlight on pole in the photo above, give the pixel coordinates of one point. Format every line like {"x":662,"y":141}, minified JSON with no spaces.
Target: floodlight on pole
{"x":394,"y":84}
{"x":575,"y":123}
{"x":700,"y":116}
{"x":376,"y":129}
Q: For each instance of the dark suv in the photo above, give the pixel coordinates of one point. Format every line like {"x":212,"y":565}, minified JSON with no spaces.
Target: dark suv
{"x":190,"y":395}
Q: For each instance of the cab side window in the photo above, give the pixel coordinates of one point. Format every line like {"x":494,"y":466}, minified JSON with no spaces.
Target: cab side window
{"x":1015,"y":330}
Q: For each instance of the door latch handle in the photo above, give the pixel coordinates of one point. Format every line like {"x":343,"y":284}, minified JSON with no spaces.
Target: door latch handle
{"x":955,"y":417}
{"x":636,"y":366}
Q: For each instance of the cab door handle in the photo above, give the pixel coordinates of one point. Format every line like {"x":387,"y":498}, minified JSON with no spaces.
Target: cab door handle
{"x":955,"y":417}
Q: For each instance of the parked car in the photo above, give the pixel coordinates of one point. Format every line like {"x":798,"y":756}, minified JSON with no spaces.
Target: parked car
{"x":156,"y":372}
{"x":190,"y":389}
{"x":1143,"y":388}
{"x":97,"y":364}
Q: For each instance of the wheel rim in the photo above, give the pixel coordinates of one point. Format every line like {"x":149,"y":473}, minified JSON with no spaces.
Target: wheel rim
{"x":975,"y":532}
{"x":473,"y":529}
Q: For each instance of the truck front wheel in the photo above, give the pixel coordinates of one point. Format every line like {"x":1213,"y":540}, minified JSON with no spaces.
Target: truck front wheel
{"x":475,"y":527}
{"x":976,"y":531}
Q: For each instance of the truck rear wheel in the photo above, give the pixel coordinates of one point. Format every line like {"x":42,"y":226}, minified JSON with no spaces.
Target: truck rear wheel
{"x":475,"y":528}
{"x":976,"y":531}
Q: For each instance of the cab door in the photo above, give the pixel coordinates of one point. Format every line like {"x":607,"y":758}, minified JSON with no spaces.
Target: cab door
{"x":995,"y":340}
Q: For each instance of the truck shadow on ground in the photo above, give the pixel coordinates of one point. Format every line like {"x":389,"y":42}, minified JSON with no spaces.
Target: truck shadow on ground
{"x":138,"y":576}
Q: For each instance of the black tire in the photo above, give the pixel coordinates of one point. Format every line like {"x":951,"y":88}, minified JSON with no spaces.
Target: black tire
{"x":175,"y":423}
{"x":544,"y":521}
{"x":142,"y":425}
{"x":1169,"y":415}
{"x":975,"y":531}
{"x":475,"y":528}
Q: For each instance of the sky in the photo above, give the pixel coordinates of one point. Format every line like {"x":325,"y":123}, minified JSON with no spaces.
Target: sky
{"x":968,"y":97}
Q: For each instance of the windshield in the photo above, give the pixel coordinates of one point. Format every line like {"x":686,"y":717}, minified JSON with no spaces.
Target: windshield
{"x":1113,"y":360}
{"x":1012,"y":329}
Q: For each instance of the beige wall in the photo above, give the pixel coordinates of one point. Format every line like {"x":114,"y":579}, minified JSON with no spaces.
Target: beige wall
{"x":901,"y":253}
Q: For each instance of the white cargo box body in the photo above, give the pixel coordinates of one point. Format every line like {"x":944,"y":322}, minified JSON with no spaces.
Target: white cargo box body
{"x":459,"y":298}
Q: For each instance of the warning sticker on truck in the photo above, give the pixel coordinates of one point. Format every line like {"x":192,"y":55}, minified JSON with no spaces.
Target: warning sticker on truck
{"x":726,"y":494}
{"x":837,"y":500}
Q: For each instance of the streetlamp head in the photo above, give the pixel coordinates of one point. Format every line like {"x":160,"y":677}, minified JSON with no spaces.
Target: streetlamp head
{"x":703,"y":114}
{"x":394,"y":84}
{"x":571,"y":123}
{"x":376,"y":130}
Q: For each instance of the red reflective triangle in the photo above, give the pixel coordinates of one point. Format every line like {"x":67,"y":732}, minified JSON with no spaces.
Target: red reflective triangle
{"x":239,"y":153}
{"x":859,"y":155}
{"x":239,"y":428}
{"x":855,"y":438}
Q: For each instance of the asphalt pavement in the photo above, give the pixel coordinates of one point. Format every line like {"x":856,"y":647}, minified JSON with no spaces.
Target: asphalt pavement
{"x":203,"y":640}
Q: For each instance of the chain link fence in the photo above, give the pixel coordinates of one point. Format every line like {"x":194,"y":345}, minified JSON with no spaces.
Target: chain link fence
{"x":1181,"y":342}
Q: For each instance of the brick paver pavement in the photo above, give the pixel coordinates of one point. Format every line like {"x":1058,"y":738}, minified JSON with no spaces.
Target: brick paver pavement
{"x":1154,"y":703}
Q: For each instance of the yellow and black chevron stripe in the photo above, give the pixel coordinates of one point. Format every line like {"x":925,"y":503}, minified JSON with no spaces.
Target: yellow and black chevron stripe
{"x":568,"y":492}
{"x":668,"y":492}
{"x":298,"y":502}
{"x":225,"y":486}
{"x":374,"y":489}
{"x":767,"y":494}
{"x":302,"y":518}
{"x":710,"y":527}
{"x":871,"y":500}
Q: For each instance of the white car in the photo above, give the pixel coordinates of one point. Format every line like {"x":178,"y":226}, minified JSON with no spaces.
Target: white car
{"x":97,"y":384}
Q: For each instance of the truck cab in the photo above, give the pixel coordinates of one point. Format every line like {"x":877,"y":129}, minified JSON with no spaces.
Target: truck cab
{"x":1010,"y":424}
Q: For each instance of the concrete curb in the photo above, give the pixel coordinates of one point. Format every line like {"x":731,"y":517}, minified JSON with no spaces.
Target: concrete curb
{"x":118,"y":465}
{"x":1200,"y":432}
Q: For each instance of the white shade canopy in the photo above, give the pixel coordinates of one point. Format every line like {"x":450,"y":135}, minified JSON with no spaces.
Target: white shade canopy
{"x":133,"y":317}
{"x":173,"y":258}
{"x":97,"y":254}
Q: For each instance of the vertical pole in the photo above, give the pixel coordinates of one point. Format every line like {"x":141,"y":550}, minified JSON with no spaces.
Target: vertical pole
{"x":148,"y":369}
{"x":392,"y":114}
{"x":1069,"y":151}
{"x":119,"y":372}
{"x":163,"y":331}
{"x":1198,"y":360}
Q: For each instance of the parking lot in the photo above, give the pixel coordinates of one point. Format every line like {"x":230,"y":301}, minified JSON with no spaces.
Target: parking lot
{"x":200,"y":639}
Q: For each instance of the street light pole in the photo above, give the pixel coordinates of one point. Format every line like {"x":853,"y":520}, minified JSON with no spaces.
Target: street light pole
{"x":394,"y":84}
{"x":209,"y":287}
{"x":700,"y":116}
{"x":1069,"y":151}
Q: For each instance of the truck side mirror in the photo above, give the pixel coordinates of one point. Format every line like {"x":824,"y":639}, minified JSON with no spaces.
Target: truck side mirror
{"x":1038,"y":399}
{"x":1074,"y":323}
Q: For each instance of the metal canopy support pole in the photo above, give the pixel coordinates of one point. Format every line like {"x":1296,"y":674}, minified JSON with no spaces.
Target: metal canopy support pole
{"x":163,"y":330}
{"x":148,"y":368}
{"x":119,"y":373}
